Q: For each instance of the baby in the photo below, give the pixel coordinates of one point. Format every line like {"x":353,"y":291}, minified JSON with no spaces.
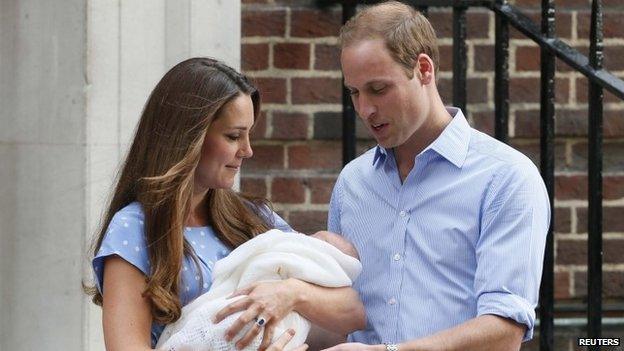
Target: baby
{"x":324,"y":258}
{"x":338,"y":242}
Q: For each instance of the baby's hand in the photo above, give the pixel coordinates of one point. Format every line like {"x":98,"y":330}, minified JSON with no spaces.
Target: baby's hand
{"x":338,"y":242}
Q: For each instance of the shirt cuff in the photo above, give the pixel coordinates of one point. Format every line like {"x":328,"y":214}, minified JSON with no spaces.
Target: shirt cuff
{"x":510,"y":306}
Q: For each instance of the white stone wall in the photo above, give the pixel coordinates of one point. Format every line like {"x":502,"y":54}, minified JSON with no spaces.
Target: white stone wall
{"x":74,"y":79}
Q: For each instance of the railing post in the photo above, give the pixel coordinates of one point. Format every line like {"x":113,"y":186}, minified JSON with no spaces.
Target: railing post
{"x":594,"y":221}
{"x":460,"y":64}
{"x":348,"y":113}
{"x":547,"y":166}
{"x":501,"y":77}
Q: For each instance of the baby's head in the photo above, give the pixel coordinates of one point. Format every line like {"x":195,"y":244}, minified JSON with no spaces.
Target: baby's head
{"x":338,"y":242}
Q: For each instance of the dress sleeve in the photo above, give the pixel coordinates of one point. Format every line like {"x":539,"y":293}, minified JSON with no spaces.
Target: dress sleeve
{"x":510,"y":249}
{"x":124,"y":238}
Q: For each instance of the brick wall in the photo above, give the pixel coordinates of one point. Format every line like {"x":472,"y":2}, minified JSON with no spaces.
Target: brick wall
{"x":290,"y":49}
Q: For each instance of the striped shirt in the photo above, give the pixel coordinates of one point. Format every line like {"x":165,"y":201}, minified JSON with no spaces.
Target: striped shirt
{"x":462,"y":236}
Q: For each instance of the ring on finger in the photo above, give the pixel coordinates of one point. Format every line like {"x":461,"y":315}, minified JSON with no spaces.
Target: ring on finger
{"x":260,"y":321}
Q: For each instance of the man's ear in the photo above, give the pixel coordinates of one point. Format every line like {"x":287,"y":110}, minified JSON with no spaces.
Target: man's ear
{"x":424,"y":69}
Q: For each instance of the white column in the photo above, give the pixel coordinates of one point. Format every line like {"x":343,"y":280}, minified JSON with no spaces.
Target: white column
{"x":74,"y":81}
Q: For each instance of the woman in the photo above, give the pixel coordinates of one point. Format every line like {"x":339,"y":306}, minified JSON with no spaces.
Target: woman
{"x":172,"y":215}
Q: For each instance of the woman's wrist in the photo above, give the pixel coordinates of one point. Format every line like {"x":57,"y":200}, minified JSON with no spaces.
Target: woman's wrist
{"x":299,"y":289}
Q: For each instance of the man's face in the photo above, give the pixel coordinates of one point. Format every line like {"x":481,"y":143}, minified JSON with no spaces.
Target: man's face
{"x":391,"y":105}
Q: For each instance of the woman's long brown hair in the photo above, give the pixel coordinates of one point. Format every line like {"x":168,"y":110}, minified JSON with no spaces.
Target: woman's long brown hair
{"x":159,"y":173}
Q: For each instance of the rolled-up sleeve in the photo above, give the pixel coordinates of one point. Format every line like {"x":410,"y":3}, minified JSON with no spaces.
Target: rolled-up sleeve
{"x":510,"y":249}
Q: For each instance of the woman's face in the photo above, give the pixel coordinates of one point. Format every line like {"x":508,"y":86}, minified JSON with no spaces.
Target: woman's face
{"x":226,"y":145}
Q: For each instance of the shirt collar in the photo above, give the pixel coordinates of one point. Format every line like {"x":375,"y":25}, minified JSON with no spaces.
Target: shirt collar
{"x":451,"y":144}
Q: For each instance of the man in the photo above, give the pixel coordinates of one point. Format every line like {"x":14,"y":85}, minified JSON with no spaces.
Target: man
{"x":449,"y":223}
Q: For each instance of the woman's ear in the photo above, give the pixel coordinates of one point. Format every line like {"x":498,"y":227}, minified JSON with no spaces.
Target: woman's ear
{"x":424,"y":69}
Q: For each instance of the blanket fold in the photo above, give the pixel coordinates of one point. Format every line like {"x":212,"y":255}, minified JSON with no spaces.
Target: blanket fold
{"x":272,"y":256}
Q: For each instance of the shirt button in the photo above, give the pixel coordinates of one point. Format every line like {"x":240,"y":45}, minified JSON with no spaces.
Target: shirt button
{"x":402,"y":213}
{"x":397,"y":257}
{"x":392,"y":301}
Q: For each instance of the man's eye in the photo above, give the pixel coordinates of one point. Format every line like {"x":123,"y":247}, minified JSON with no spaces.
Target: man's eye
{"x":378,"y":90}
{"x":353,"y":92}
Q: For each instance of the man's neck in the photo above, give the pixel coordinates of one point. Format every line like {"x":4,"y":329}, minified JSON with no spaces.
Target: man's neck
{"x":430,"y":130}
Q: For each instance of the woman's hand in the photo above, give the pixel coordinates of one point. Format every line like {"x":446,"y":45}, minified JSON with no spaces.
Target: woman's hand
{"x":281,"y":342}
{"x":354,"y":346}
{"x":266,"y":304}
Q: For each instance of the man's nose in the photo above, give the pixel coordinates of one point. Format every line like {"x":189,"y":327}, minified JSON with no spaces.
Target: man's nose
{"x":365,"y":108}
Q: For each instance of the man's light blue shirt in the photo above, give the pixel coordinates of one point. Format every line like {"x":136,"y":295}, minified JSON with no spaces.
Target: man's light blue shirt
{"x":461,"y":237}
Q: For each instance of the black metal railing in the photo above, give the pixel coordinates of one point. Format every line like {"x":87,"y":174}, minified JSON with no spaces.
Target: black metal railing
{"x":551,"y":48}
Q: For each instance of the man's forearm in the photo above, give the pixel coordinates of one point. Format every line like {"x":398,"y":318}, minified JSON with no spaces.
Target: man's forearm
{"x":337,"y":309}
{"x":486,"y":332}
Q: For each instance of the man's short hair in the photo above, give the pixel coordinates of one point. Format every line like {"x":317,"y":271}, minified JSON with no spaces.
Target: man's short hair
{"x":404,"y":30}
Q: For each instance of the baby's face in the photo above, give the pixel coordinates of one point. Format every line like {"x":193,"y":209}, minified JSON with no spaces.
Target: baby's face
{"x":338,"y":242}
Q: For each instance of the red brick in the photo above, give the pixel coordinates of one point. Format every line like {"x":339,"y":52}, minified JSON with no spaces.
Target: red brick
{"x":446,"y":58}
{"x":289,"y":126}
{"x":308,"y":222}
{"x":612,"y":284}
{"x":326,"y":156}
{"x":265,"y":157}
{"x":612,"y":219}
{"x":613,"y":58}
{"x":562,"y":285}
{"x":563,"y":220}
{"x":613,"y":124}
{"x":570,"y":187}
{"x":532,"y":151}
{"x":612,"y":157}
{"x":563,"y":24}
{"x":291,"y":56}
{"x":442,"y":22}
{"x":254,"y":186}
{"x":613,"y":250}
{"x":484,"y":121}
{"x":287,"y":190}
{"x":612,"y":24}
{"x":321,"y":189}
{"x":571,"y":252}
{"x":567,"y":123}
{"x":316,"y":90}
{"x":315,"y":23}
{"x":259,"y":129}
{"x":328,"y":126}
{"x":272,"y":90}
{"x":477,"y":89}
{"x":254,"y":57}
{"x":263,"y":23}
{"x":528,"y":90}
{"x":326,"y":57}
{"x":527,"y":58}
{"x":582,"y":91}
{"x":575,"y":187}
{"x":484,"y":58}
{"x":478,"y":24}
{"x":612,"y":187}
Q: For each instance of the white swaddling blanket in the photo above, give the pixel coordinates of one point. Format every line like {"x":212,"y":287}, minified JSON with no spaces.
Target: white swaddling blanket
{"x":274,"y":255}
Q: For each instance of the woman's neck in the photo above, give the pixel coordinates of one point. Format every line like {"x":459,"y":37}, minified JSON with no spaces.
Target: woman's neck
{"x":198,"y":216}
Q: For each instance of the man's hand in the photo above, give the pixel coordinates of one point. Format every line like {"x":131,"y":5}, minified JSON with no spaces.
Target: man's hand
{"x":269,"y":301}
{"x":354,"y":346}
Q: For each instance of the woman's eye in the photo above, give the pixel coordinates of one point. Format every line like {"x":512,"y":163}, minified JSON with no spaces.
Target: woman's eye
{"x":233,"y":137}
